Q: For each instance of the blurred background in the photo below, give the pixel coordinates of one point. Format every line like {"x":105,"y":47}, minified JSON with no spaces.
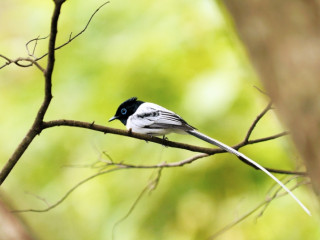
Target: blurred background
{"x":183,"y":55}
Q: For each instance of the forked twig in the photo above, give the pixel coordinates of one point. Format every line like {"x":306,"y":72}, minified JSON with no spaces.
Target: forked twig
{"x":35,"y":45}
{"x":19,"y":60}
{"x":255,"y":122}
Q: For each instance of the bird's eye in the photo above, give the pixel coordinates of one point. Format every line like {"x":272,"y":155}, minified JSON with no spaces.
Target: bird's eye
{"x":123,"y":111}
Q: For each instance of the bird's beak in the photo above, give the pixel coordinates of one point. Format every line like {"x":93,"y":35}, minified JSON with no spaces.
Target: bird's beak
{"x":113,"y":118}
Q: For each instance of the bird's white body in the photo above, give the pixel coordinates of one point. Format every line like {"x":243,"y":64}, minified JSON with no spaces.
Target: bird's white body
{"x":151,"y":119}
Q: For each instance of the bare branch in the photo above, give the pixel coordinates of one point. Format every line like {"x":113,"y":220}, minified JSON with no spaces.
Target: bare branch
{"x":268,"y":138}
{"x":36,"y":127}
{"x":255,"y":122}
{"x":19,"y":62}
{"x":5,"y":58}
{"x":8,"y":61}
{"x":208,"y":151}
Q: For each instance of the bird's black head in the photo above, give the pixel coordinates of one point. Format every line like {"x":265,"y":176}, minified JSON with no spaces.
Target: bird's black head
{"x":126,"y":109}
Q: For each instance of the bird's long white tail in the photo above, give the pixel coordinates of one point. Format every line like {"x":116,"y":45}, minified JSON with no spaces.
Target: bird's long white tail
{"x":240,"y":155}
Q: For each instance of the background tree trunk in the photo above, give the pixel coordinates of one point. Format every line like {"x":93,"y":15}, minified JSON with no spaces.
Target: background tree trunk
{"x":12,"y":227}
{"x":283,"y":41}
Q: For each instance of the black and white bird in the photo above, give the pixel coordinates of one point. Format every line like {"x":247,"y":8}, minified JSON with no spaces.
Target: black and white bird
{"x":152,"y":119}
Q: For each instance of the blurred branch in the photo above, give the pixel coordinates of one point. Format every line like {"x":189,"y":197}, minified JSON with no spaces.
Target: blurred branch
{"x":263,"y":204}
{"x":111,"y":166}
{"x":150,"y":187}
{"x":70,"y":191}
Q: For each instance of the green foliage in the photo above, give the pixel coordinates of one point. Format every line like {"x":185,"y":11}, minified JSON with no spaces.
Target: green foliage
{"x":181,"y":54}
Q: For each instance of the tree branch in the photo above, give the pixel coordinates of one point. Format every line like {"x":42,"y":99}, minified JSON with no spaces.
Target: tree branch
{"x":36,"y":127}
{"x":207,"y":151}
{"x":19,"y":63}
{"x":255,"y":122}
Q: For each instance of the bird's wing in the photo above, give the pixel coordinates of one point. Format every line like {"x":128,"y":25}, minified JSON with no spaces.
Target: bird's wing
{"x":153,"y":116}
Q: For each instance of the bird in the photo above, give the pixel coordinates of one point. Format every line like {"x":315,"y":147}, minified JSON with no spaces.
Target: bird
{"x":155,"y":120}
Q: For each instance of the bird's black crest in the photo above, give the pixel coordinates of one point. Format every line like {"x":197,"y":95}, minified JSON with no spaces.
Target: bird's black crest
{"x":130,"y":100}
{"x":126,"y":109}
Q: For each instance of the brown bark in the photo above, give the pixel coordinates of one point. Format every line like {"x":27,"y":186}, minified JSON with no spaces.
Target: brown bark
{"x":283,"y":41}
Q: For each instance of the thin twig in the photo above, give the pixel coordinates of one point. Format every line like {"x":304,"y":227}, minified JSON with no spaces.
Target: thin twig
{"x":78,"y":34}
{"x":8,"y":61}
{"x":268,"y":138}
{"x":39,"y":198}
{"x":269,"y":198}
{"x":19,"y":62}
{"x":70,"y":191}
{"x":255,"y":122}
{"x":35,"y":45}
{"x":150,"y":187}
{"x":33,"y":61}
{"x":261,"y":91}
{"x":249,"y":213}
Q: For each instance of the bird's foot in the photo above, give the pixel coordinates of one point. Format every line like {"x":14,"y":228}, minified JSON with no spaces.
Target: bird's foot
{"x":164,"y":141}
